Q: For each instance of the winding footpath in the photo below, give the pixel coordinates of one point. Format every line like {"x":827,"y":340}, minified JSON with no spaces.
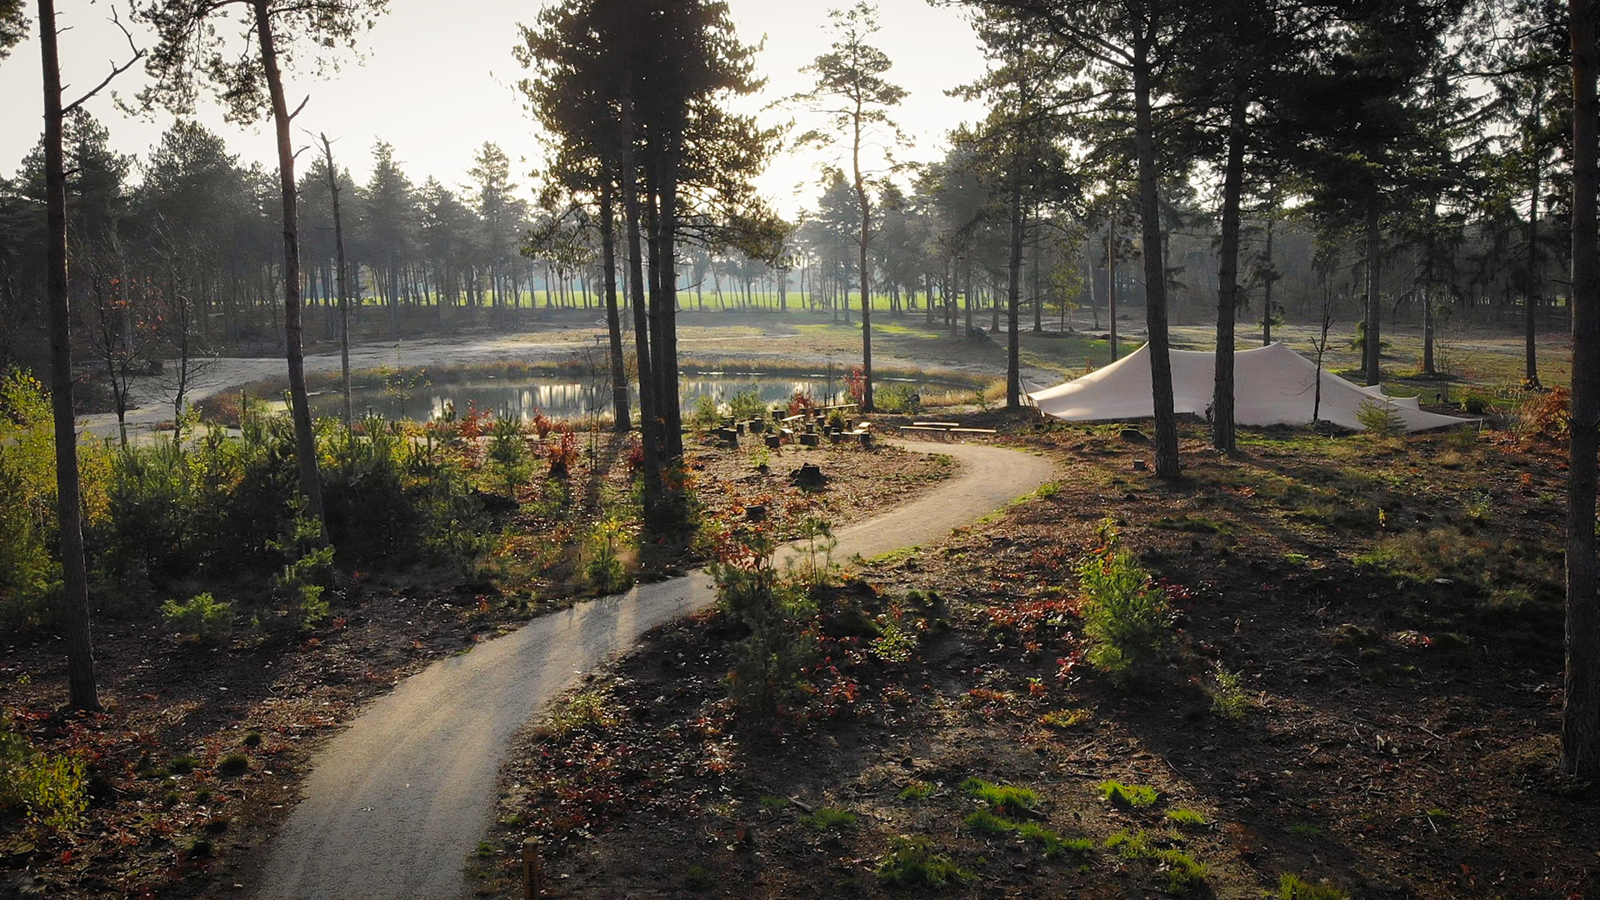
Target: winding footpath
{"x":395,"y":803}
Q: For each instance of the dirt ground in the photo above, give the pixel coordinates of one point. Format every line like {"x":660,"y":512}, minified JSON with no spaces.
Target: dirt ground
{"x":1388,"y":611}
{"x":165,"y":821}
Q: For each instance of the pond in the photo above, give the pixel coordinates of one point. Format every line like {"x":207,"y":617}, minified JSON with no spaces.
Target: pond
{"x":563,"y":398}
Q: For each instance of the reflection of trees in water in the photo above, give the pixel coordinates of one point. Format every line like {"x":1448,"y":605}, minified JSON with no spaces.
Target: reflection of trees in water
{"x":560,"y":399}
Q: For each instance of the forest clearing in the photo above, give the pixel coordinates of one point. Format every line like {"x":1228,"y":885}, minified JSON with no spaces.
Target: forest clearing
{"x":663,"y":448}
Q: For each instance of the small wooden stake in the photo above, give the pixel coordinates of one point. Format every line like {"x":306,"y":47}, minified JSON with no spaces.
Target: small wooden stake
{"x":532,"y":872}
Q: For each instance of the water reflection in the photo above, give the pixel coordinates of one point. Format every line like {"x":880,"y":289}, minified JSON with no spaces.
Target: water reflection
{"x":560,"y":398}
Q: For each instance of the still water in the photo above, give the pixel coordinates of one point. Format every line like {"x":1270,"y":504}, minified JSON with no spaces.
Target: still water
{"x":561,"y":398}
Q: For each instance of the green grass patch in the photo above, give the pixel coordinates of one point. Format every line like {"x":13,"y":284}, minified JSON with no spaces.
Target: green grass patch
{"x":1293,"y":887}
{"x":1005,"y":800}
{"x":1187,"y":817}
{"x":916,"y":790}
{"x":914,"y":862}
{"x":769,"y":801}
{"x":1183,"y":874}
{"x":986,"y":822}
{"x":1052,"y":843}
{"x":1127,"y":796}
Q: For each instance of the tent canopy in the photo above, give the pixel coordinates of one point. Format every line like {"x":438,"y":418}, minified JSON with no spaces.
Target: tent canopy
{"x":1273,"y":385}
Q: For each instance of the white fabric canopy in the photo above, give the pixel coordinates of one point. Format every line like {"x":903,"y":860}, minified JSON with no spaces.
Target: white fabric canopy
{"x":1273,"y":385}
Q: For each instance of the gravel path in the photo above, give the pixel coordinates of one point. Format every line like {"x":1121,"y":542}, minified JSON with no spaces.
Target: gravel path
{"x":395,"y":803}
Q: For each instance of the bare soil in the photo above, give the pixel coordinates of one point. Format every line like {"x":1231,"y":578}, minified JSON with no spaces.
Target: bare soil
{"x":157,"y":828}
{"x":1391,"y":608}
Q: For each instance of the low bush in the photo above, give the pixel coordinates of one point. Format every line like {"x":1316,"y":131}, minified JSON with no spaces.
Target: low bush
{"x":897,"y":398}
{"x":45,"y":792}
{"x":1380,"y":419}
{"x":1125,"y":613}
{"x":232,"y":766}
{"x":747,"y":405}
{"x":200,"y":617}
{"x":603,"y":565}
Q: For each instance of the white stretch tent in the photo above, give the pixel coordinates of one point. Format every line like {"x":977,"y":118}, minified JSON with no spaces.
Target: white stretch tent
{"x":1273,"y":385}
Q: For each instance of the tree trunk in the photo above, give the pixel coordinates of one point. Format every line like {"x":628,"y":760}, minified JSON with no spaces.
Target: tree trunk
{"x":861,"y":260}
{"x":608,"y":261}
{"x":1223,"y":435}
{"x":344,"y":293}
{"x":1014,"y":292}
{"x":305,"y":442}
{"x":1535,"y":283}
{"x":1111,"y":283}
{"x":1166,"y":437}
{"x":1374,"y":308}
{"x":649,"y":423}
{"x":1266,"y":302}
{"x":667,"y":303}
{"x":1580,"y":713}
{"x":82,"y":692}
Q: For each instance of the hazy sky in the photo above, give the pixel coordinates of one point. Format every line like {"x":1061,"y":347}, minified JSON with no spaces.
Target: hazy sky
{"x":437,"y":85}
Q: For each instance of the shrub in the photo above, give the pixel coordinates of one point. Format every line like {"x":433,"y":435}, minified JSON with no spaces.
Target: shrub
{"x":45,"y":790}
{"x":580,"y":711}
{"x":1228,"y":698}
{"x":770,"y":660}
{"x":232,"y":766}
{"x":308,"y":563}
{"x":856,"y":384}
{"x":799,"y":402}
{"x":562,"y":453}
{"x":1124,"y":612}
{"x":1380,"y":419}
{"x":705,"y":416}
{"x":200,"y":617}
{"x":507,"y":453}
{"x":747,"y":405}
{"x":1545,"y":415}
{"x":29,"y":574}
{"x":604,"y":568}
{"x":897,"y":398}
{"x":913,"y":862}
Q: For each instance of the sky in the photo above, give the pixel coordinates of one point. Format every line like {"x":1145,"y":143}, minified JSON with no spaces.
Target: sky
{"x":437,"y":86}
